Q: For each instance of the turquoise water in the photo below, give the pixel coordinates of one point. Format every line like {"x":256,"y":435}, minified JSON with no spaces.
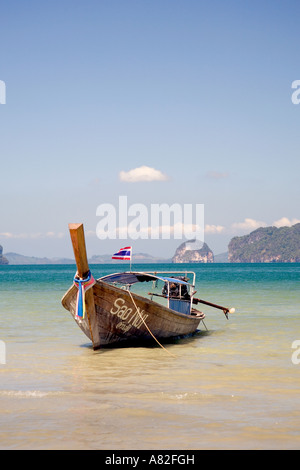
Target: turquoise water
{"x":232,"y":387}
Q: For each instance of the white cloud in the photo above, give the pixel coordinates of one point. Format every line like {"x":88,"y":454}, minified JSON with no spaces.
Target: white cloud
{"x":31,"y":236}
{"x":214,"y":228}
{"x":13,"y":235}
{"x":143,"y":173}
{"x":248,"y":224}
{"x":217,"y":175}
{"x":285,"y":222}
{"x":177,"y":231}
{"x":53,"y":235}
{"x":90,"y":233}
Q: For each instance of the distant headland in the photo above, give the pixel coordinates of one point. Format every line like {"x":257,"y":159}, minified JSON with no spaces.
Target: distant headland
{"x":267,"y":245}
{"x":17,"y":259}
{"x":264,"y":245}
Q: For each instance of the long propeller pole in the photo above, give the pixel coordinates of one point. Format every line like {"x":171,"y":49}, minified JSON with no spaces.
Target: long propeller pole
{"x":210,"y":304}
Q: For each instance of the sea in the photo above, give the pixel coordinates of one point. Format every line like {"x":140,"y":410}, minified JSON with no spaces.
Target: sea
{"x":232,"y":386}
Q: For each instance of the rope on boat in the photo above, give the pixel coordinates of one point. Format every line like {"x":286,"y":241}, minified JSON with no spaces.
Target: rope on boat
{"x":148,"y":327}
{"x":82,"y":285}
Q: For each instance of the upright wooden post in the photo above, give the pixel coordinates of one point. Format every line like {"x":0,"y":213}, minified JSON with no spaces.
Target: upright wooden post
{"x":79,"y":248}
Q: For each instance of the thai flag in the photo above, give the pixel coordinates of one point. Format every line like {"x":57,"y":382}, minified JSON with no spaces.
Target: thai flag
{"x":123,"y":253}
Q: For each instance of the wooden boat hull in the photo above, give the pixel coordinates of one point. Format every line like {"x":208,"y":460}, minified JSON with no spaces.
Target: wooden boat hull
{"x":122,"y":316}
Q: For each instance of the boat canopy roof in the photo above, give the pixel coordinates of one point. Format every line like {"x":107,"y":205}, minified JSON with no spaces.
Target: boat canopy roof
{"x":130,"y":278}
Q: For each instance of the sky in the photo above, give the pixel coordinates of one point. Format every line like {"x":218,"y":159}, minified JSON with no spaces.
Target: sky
{"x":185,"y":102}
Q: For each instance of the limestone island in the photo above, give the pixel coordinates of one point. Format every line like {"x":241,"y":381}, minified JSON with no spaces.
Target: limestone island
{"x":267,"y":245}
{"x":186,"y":254}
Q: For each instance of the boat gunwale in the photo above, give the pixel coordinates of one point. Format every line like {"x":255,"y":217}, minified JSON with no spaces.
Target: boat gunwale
{"x":66,"y":297}
{"x":145,"y":299}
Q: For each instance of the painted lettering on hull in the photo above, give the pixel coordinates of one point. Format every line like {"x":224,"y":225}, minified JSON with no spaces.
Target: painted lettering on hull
{"x":129,"y":317}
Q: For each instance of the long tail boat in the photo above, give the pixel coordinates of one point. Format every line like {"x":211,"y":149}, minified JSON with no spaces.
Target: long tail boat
{"x":110,"y":313}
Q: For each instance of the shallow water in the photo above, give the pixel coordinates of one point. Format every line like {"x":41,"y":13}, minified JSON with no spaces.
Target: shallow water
{"x":233,"y":387}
